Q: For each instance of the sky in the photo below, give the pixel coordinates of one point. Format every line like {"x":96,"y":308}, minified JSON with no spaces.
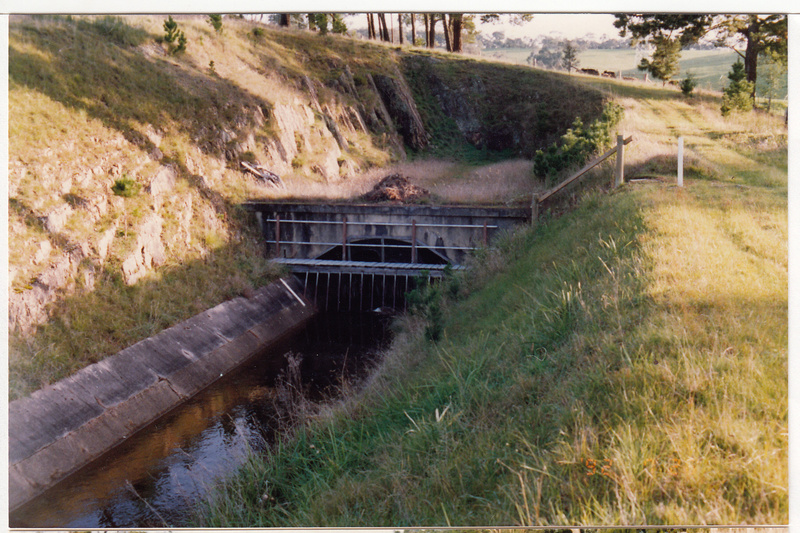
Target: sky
{"x":563,"y":25}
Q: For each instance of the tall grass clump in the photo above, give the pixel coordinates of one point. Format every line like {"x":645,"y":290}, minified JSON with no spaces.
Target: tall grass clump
{"x":115,"y":29}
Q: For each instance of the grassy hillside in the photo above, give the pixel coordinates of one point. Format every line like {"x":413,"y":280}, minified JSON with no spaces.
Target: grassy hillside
{"x":98,"y":105}
{"x":622,"y":364}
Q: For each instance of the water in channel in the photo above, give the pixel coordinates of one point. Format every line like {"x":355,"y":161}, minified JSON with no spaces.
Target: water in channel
{"x":158,"y":477}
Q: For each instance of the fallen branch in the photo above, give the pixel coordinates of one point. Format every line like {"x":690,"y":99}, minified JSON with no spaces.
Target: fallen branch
{"x":262,"y":173}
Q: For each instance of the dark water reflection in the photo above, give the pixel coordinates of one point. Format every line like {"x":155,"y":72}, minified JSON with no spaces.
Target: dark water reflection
{"x":157,"y":477}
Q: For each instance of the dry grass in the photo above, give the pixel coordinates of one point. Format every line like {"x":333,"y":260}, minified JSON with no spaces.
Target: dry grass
{"x":505,"y":183}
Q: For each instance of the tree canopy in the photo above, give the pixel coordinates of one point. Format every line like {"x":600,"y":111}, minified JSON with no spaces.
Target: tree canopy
{"x":757,"y":33}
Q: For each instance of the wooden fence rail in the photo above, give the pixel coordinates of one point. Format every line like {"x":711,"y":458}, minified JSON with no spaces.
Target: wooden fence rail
{"x":619,"y":175}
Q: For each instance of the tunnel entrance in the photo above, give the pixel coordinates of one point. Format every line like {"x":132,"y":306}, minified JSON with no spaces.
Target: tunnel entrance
{"x":384,"y":250}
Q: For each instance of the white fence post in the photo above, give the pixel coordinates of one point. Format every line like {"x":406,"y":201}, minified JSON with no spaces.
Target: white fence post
{"x":680,"y":161}
{"x":619,"y":178}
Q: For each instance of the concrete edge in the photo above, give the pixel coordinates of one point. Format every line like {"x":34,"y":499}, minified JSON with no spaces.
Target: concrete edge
{"x":63,"y":427}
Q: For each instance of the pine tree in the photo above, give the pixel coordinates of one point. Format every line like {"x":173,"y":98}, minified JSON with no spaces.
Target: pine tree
{"x":216,"y":22}
{"x":175,"y":38}
{"x":570,"y":58}
{"x":664,"y":63}
{"x":737,"y":95}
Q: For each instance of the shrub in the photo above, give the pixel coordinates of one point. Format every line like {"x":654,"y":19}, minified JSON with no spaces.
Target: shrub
{"x":688,"y":84}
{"x":126,"y":187}
{"x":738,"y":94}
{"x":427,"y":300}
{"x":216,"y":22}
{"x":175,"y":38}
{"x":577,"y":144}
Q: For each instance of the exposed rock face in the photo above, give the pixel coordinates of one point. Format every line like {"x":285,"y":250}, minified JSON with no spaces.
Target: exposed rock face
{"x":296,"y":132}
{"x":43,"y":252}
{"x":149,"y":251}
{"x":396,"y":188}
{"x":400,"y":104}
{"x":163,"y":182}
{"x":29,"y":307}
{"x":56,"y":218}
{"x":104,"y":242}
{"x":458,"y":103}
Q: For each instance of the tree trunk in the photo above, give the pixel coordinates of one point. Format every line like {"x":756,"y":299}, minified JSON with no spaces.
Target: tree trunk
{"x":312,"y":23}
{"x":446,"y":24}
{"x":413,"y":29}
{"x":370,"y":26}
{"x":400,"y":27}
{"x":427,"y":30}
{"x":457,"y":22}
{"x":432,"y":32}
{"x":382,"y":27}
{"x":284,"y":20}
{"x":751,"y":55}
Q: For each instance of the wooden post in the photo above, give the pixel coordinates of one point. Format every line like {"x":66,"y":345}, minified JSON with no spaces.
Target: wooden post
{"x":535,"y":210}
{"x":619,"y":177}
{"x":680,"y":161}
{"x":413,"y":241}
{"x":485,"y":234}
{"x":278,"y":235}
{"x":344,"y":238}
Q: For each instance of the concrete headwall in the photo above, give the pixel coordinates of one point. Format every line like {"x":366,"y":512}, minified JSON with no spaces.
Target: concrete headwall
{"x":63,"y":427}
{"x":448,"y":230}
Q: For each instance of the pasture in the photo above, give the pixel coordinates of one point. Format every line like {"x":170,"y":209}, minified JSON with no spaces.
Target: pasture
{"x":709,"y":67}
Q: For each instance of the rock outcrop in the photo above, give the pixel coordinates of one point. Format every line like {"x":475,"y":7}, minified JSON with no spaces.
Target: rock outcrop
{"x":148,"y":252}
{"x":401,"y":107}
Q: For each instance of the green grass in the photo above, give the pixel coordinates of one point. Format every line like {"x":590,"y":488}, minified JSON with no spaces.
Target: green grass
{"x":622,"y":364}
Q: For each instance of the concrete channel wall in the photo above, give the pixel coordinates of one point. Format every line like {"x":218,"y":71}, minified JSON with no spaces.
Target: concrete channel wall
{"x":61,"y":428}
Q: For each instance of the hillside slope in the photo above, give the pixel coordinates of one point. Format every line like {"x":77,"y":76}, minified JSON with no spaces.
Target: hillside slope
{"x":124,"y":160}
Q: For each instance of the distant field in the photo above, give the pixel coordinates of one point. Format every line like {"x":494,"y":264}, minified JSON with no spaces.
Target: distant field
{"x":709,"y":67}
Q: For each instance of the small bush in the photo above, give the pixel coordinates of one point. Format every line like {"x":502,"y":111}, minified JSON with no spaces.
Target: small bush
{"x":427,"y":300}
{"x":577,"y":144}
{"x":258,"y":33}
{"x":126,"y":187}
{"x":688,"y":84}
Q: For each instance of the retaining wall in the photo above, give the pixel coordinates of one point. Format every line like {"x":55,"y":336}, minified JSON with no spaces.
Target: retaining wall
{"x":57,"y":430}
